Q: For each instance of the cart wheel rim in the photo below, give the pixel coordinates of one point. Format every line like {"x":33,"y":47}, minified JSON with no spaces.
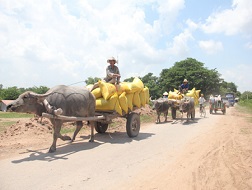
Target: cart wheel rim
{"x":133,"y":125}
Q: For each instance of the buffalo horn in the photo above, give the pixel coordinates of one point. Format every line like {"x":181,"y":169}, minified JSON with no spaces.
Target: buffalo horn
{"x":40,"y":97}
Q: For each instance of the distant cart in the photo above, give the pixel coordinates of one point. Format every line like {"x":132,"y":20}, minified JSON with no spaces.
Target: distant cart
{"x":217,"y":106}
{"x":103,"y":119}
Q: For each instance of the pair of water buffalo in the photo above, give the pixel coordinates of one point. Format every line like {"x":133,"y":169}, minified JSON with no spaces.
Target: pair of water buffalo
{"x":162,"y":105}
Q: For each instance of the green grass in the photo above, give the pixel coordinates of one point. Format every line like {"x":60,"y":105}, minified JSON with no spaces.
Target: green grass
{"x":245,"y":106}
{"x":5,"y":124}
{"x":67,"y":130}
{"x":15,"y":115}
{"x":147,"y":118}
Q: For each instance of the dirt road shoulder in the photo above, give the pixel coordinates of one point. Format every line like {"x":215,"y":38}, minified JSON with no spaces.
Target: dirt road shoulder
{"x":219,"y":159}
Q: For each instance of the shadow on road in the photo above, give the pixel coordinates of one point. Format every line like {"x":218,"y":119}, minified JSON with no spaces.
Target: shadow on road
{"x":184,"y":121}
{"x":66,"y":149}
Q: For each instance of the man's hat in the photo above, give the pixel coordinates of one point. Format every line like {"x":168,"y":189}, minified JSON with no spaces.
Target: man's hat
{"x":165,"y":93}
{"x":111,"y":59}
{"x":185,"y":80}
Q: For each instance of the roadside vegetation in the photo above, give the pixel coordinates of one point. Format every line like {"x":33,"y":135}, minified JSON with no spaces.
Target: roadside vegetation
{"x":245,"y":101}
{"x":15,"y":115}
{"x":246,"y":105}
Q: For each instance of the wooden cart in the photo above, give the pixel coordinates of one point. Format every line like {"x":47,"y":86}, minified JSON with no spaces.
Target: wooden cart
{"x":217,"y":106}
{"x":103,"y":119}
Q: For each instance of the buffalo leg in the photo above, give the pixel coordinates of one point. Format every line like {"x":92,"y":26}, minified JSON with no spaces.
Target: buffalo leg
{"x":165,"y":115}
{"x":56,"y":134}
{"x":158,"y":117}
{"x":92,"y":124}
{"x":79,"y":125}
{"x":56,"y":130}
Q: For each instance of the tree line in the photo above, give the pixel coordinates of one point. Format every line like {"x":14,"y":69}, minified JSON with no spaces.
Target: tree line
{"x":209,"y":81}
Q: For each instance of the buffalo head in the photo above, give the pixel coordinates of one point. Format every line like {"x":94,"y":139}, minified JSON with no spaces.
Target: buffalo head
{"x":184,"y":105}
{"x":28,"y":102}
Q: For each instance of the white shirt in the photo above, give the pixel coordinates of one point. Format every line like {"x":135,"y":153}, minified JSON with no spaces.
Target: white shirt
{"x":201,"y":100}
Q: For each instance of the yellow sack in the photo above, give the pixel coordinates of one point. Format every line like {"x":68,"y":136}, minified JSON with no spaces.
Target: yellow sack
{"x":107,"y":89}
{"x":108,"y":105}
{"x":123,"y":102}
{"x":136,"y":85}
{"x":147,"y":95}
{"x":130,"y":101}
{"x":136,"y":100}
{"x":197,"y":93}
{"x":196,"y":97}
{"x":191,"y":93}
{"x":174,"y":95}
{"x":123,"y":87}
{"x":97,"y":93}
{"x":142,"y":97}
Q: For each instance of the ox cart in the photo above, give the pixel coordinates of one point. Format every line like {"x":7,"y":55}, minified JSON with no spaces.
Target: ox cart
{"x":103,"y":118}
{"x":217,"y":106}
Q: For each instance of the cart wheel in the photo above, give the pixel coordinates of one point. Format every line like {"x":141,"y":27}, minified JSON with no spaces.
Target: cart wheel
{"x":224,"y":111}
{"x":173,"y":113}
{"x":101,"y":127}
{"x":133,"y":124}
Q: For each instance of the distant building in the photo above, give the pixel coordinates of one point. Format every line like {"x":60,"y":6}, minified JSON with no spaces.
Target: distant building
{"x":4,"y":103}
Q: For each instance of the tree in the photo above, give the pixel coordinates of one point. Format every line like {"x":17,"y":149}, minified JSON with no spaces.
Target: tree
{"x":39,"y":90}
{"x":152,"y":83}
{"x":247,"y":95}
{"x":10,"y":93}
{"x":129,"y":79}
{"x":208,"y":81}
{"x":228,"y":87}
{"x":91,"y":80}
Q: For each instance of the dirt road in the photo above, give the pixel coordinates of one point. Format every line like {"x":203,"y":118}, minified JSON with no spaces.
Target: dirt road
{"x":210,"y":153}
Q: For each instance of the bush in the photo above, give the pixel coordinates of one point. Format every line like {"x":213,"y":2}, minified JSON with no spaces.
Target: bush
{"x":246,"y":103}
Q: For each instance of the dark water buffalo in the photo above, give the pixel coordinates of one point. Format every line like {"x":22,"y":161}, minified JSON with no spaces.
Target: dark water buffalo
{"x":73,"y":101}
{"x":161,"y":105}
{"x":187,"y":106}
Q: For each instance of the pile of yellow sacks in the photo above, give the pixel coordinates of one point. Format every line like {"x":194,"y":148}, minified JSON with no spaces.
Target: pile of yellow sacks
{"x":122,"y":97}
{"x":191,"y":93}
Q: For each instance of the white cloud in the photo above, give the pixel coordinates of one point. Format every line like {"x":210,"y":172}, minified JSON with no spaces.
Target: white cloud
{"x":211,"y":46}
{"x":180,"y":44}
{"x":239,"y":75}
{"x":55,"y":42}
{"x":237,"y":20}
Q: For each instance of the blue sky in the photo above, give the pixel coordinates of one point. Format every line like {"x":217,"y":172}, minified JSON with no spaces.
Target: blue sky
{"x":55,"y":42}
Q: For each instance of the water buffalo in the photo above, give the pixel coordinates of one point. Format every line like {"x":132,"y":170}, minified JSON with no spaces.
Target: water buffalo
{"x":72,"y":101}
{"x":187,"y":106}
{"x":161,"y":105}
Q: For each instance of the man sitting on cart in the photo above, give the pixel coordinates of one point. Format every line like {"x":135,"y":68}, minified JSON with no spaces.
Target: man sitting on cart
{"x":112,"y":73}
{"x":183,"y":88}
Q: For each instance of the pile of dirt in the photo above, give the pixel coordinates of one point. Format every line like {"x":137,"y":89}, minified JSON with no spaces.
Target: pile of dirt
{"x":27,"y":126}
{"x":147,"y":110}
